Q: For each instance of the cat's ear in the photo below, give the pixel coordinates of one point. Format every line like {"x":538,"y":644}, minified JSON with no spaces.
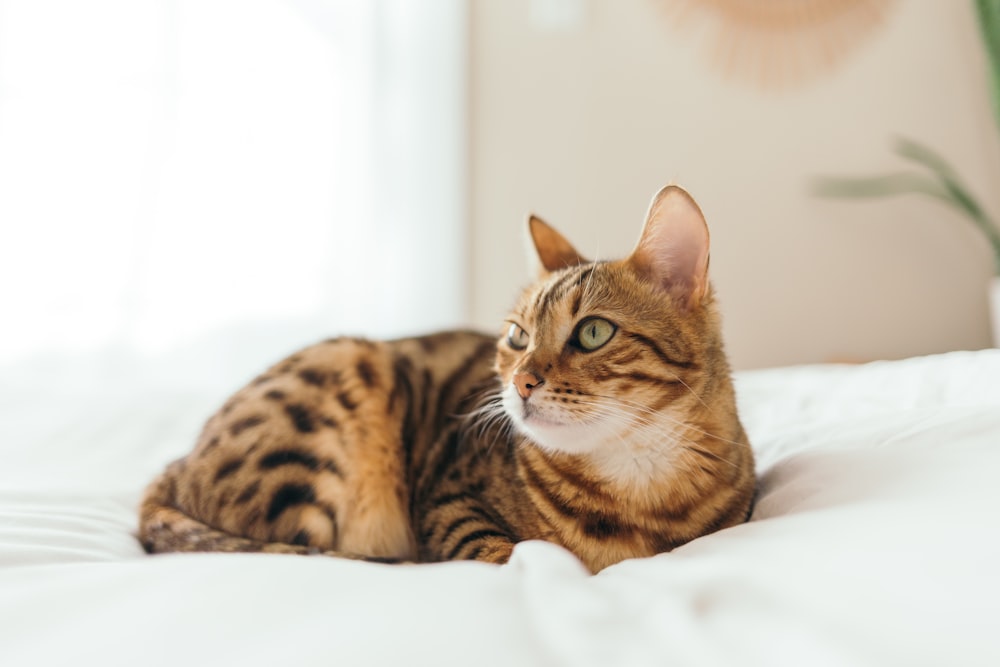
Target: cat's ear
{"x":554,"y":251}
{"x":673,"y":248}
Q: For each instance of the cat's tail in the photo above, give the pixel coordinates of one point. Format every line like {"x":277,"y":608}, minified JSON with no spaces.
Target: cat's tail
{"x":164,"y":528}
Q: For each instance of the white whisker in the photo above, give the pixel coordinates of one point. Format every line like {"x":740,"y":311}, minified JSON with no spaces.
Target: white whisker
{"x":693,"y":392}
{"x":664,"y":415}
{"x":489,"y":422}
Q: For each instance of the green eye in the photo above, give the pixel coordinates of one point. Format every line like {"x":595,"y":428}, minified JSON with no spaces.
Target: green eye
{"x":593,"y":333}
{"x":517,"y":337}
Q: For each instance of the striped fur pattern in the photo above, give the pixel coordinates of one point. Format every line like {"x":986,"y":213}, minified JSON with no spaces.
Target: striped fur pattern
{"x":603,"y":419}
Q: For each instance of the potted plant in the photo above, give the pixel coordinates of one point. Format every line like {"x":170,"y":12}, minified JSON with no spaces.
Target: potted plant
{"x":934,"y":177}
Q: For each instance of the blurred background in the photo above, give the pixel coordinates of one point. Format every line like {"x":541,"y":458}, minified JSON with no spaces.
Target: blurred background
{"x":197,"y":187}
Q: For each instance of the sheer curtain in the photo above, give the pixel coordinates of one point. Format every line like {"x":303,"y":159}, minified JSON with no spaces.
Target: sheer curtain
{"x":212,"y":182}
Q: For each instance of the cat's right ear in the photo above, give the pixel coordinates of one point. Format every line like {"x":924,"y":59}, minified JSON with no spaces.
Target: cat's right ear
{"x":554,"y":251}
{"x":673,"y":249}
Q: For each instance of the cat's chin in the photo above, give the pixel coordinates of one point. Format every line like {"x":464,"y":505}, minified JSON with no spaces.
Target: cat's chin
{"x":559,"y":437}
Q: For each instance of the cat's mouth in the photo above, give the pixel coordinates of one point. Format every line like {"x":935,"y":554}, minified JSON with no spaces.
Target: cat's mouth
{"x":557,"y":432}
{"x":547,"y":425}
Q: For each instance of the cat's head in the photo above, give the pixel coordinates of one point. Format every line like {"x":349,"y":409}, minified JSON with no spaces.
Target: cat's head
{"x":597,"y":353}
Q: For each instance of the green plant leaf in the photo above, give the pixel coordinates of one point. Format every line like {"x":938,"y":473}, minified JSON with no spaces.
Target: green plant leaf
{"x":942,"y":183}
{"x":952,"y":185}
{"x":871,"y":187}
{"x":921,"y":154}
{"x":989,"y":26}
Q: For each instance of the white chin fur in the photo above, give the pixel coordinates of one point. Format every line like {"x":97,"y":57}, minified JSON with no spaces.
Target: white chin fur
{"x":547,"y":431}
{"x":568,"y":439}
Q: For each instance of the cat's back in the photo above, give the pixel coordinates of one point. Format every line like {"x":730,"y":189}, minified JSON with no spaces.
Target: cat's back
{"x":327,"y":384}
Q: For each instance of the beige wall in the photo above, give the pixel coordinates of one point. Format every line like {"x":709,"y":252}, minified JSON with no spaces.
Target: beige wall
{"x":582,"y":126}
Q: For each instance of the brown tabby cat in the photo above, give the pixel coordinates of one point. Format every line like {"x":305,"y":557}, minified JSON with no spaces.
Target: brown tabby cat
{"x":602,"y":420}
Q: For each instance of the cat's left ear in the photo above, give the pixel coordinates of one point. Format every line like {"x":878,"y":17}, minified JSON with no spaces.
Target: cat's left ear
{"x":554,"y":251}
{"x":673,"y":248}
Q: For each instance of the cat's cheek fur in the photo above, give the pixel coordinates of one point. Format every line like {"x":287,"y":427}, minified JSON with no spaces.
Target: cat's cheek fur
{"x":550,"y":428}
{"x":617,"y":454}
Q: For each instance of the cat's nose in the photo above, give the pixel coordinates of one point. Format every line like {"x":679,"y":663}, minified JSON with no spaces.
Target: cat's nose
{"x":525,"y":383}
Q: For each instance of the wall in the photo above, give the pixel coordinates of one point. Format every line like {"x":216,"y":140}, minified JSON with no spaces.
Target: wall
{"x":583,"y":125}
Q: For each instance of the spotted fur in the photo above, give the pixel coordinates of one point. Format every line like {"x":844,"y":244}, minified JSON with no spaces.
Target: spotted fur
{"x":459,"y":445}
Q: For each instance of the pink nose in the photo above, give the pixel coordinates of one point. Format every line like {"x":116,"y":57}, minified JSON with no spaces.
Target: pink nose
{"x":525,"y":382}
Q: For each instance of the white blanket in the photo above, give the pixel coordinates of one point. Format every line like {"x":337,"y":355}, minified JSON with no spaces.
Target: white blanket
{"x":875,"y":541}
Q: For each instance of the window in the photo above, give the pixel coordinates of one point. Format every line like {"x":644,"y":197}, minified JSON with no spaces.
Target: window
{"x":232,"y":177}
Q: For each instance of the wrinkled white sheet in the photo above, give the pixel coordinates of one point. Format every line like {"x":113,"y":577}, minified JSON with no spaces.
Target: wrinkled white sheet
{"x":875,"y":541}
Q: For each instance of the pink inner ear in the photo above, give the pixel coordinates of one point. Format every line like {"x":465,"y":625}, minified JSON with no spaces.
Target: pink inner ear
{"x":674,"y":246}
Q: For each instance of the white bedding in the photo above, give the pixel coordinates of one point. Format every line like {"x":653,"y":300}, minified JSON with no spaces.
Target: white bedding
{"x":875,"y":541}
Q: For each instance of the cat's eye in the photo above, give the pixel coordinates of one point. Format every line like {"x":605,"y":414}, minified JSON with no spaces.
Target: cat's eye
{"x":594,"y":332}
{"x":517,"y":337}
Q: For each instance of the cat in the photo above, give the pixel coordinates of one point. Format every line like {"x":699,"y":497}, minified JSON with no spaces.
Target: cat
{"x":603,"y":419}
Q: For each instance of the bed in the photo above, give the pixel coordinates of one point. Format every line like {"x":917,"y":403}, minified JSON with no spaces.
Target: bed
{"x":875,"y":540}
